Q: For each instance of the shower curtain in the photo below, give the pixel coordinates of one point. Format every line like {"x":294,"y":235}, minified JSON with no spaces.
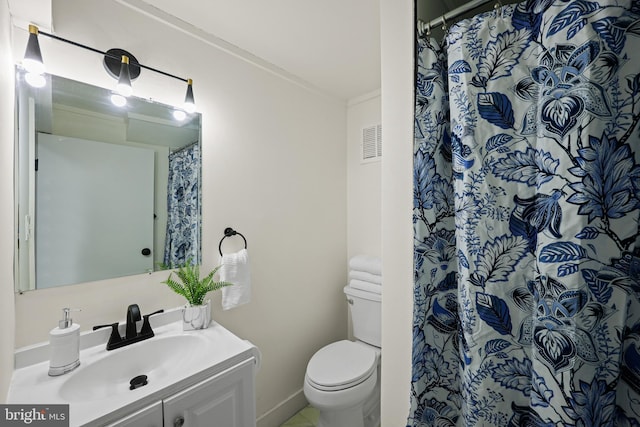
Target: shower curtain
{"x":526,"y":206}
{"x":182,"y":242}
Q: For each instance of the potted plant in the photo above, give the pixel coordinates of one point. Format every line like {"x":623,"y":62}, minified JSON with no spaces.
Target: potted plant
{"x":196,"y":314}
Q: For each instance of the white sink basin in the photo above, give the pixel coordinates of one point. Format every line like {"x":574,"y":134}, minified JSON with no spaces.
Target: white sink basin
{"x":159,"y":358}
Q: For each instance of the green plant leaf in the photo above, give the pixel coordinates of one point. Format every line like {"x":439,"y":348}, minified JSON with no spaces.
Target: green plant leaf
{"x":189,"y":284}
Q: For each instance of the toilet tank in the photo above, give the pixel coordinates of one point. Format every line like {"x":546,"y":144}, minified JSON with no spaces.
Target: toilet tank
{"x":365,"y":307}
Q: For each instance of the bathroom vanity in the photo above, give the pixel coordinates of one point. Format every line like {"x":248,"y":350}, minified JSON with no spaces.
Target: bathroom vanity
{"x":194,"y":378}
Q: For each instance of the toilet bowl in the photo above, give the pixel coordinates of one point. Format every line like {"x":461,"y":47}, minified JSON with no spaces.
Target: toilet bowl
{"x":342,"y":379}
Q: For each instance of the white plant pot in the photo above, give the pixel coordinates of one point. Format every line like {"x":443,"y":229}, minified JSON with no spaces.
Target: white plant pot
{"x":196,"y":316}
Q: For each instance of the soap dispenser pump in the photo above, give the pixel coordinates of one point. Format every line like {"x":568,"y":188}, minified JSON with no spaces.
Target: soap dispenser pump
{"x":64,"y":345}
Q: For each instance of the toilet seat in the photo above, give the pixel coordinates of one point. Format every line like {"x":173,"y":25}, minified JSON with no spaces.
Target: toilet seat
{"x":341,"y":365}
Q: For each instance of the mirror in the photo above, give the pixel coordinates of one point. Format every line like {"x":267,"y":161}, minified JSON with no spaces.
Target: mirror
{"x":101,"y":191}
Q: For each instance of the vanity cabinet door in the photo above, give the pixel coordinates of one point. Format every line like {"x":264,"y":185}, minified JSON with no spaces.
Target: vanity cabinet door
{"x":150,"y":416}
{"x":224,"y":400}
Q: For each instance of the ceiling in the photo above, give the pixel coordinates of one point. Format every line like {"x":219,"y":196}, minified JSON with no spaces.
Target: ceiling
{"x":332,"y":45}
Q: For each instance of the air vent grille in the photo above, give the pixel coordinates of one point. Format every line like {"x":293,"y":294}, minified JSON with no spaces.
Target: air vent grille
{"x":372,"y":143}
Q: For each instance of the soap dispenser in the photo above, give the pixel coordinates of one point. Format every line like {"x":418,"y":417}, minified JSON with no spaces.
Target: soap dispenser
{"x":64,"y":345}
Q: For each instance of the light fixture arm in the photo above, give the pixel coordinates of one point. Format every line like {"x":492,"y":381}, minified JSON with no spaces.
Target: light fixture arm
{"x":116,"y":57}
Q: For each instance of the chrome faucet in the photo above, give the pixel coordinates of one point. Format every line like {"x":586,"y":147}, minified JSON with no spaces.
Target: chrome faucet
{"x":131,"y":333}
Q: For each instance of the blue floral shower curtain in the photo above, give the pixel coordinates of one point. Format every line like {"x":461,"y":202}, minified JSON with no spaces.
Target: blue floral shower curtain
{"x":526,"y":208}
{"x":182,"y":242}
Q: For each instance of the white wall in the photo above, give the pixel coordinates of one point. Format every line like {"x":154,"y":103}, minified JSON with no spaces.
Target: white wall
{"x":274,"y":168}
{"x":397,"y":23}
{"x":7,"y":320}
{"x":364,"y":199}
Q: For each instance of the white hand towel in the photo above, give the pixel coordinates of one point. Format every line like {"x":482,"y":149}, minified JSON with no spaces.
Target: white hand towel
{"x":365,"y":286}
{"x":235,"y":269}
{"x":367,"y":277}
{"x":367,"y":263}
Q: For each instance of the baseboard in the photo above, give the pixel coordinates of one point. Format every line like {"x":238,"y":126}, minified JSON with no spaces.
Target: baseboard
{"x":283,"y":411}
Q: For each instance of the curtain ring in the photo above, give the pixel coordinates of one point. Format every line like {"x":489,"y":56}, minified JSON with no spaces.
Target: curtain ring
{"x":428,"y":30}
{"x":444,"y":24}
{"x":497,"y":6}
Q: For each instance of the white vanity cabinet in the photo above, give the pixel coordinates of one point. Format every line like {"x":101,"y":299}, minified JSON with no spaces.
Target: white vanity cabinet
{"x":225,"y":400}
{"x":195,"y":378}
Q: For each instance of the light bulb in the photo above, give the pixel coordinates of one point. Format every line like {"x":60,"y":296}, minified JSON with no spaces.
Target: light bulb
{"x":118,"y":100}
{"x":189,"y":108}
{"x":179,"y":115}
{"x":124,"y":90}
{"x":35,"y":80}
{"x":33,"y":66}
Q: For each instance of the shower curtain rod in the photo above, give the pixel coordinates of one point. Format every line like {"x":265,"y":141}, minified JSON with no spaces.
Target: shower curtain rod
{"x":186,"y":147}
{"x":449,"y":16}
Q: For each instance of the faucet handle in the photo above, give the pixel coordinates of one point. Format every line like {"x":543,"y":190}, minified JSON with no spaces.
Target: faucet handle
{"x":115,"y":337}
{"x":146,"y":326}
{"x":146,"y":316}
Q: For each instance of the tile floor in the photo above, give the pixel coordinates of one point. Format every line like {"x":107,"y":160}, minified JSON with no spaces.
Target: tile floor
{"x":307,"y":417}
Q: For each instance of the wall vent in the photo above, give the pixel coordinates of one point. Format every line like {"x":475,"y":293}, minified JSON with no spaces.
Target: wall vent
{"x":371,"y":143}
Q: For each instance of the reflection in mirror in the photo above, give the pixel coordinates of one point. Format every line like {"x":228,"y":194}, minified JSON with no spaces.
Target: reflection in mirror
{"x":102,"y":191}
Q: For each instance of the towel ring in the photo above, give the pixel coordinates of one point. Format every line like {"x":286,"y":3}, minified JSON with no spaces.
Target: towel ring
{"x":228,"y":232}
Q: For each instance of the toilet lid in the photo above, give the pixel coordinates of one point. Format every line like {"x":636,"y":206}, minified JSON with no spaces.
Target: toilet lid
{"x":340,"y":365}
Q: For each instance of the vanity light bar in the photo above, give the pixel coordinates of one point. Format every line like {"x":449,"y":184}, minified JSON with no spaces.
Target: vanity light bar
{"x":34,"y":65}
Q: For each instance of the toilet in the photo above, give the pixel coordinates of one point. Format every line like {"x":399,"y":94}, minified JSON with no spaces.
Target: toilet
{"x":342,"y":380}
